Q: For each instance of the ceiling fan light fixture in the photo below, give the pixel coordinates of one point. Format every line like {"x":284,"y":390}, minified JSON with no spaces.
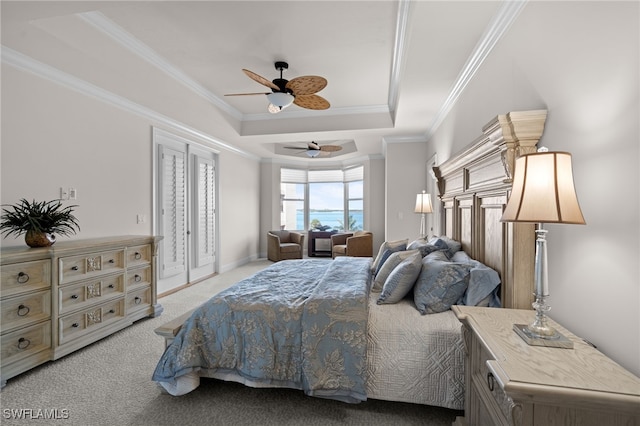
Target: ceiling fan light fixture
{"x":273,"y":109}
{"x":313,"y":153}
{"x":280,"y":100}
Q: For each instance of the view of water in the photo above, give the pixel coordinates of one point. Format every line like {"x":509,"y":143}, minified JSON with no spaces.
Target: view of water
{"x":333,"y":218}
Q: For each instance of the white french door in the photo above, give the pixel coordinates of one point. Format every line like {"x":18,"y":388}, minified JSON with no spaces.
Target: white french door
{"x":185,"y":207}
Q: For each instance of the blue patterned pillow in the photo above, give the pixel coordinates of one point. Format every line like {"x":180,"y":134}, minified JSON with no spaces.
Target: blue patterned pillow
{"x":386,"y":249}
{"x":453,"y":246}
{"x":484,"y":283}
{"x":425,"y":247}
{"x":401,"y":280}
{"x":440,"y":284}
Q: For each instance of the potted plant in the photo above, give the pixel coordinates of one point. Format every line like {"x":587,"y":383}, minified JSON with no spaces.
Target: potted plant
{"x":40,"y":221}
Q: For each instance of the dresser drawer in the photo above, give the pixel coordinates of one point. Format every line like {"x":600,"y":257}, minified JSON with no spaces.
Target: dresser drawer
{"x":24,"y":342}
{"x":76,"y":268}
{"x":139,"y":255}
{"x":487,"y":385}
{"x":82,"y":323}
{"x":27,"y":276}
{"x":23,"y":310}
{"x":138,"y":277}
{"x":139,"y":299}
{"x":77,"y":296}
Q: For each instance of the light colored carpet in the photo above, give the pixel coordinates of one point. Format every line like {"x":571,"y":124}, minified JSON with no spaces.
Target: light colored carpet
{"x":109,"y":383}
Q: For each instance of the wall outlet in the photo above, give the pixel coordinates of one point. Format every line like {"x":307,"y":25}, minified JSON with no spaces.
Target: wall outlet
{"x":73,"y":194}
{"x":64,"y":193}
{"x":141,"y":218}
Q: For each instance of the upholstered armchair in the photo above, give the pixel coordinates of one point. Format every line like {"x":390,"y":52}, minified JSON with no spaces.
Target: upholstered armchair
{"x":283,"y":245}
{"x":356,"y":244}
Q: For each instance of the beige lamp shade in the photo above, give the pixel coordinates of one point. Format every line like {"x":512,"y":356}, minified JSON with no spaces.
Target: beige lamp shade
{"x":423,"y":203}
{"x":543,"y":190}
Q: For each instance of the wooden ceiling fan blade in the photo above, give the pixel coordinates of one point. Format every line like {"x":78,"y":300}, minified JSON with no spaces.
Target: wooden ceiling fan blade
{"x":294,"y":147}
{"x":330,"y":148}
{"x":311,"y":102}
{"x":306,"y":85}
{"x":252,"y":75}
{"x":247,"y":94}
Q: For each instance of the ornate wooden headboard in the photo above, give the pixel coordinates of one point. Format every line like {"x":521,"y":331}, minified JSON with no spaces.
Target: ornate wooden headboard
{"x":474,"y":187}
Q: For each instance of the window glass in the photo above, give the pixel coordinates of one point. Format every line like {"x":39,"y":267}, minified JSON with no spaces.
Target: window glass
{"x":326,"y":206}
{"x":292,"y":206}
{"x":330,"y":200}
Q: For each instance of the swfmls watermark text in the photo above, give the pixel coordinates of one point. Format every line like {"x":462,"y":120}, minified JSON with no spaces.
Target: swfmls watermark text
{"x":35,"y":413}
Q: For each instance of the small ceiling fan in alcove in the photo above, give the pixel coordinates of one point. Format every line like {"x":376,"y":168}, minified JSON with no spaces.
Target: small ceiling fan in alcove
{"x":300,"y":91}
{"x":314,"y":150}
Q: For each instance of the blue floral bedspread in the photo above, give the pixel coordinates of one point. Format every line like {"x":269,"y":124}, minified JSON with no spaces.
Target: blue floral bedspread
{"x":298,"y":323}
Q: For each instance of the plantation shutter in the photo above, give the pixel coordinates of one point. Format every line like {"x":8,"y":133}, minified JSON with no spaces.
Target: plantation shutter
{"x":204,"y":223}
{"x":173,"y":212}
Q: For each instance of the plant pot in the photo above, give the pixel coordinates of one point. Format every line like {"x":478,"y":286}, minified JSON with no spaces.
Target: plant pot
{"x":39,"y":239}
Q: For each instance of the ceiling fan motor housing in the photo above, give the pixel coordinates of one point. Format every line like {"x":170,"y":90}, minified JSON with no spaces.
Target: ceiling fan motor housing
{"x":281,"y":82}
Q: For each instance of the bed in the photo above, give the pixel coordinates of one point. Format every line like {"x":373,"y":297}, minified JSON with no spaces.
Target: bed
{"x":336,"y":329}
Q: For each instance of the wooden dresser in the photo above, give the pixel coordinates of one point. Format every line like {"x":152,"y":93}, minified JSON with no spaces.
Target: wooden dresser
{"x":59,"y":299}
{"x":509,"y":382}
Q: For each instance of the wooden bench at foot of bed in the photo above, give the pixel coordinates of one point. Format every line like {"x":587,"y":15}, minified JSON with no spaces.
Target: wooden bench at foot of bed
{"x":170,"y":330}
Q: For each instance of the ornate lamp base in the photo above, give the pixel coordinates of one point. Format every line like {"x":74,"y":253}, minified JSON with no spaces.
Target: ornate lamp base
{"x":539,"y":332}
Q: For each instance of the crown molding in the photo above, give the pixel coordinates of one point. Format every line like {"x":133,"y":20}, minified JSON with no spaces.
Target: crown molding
{"x":404,"y":139}
{"x":103,"y":24}
{"x":26,"y":63}
{"x":286,"y":114}
{"x":501,"y":22}
{"x":398,"y":58}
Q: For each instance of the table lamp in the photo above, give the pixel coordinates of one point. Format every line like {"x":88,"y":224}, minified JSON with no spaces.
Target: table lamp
{"x":423,"y":206}
{"x":543,"y":192}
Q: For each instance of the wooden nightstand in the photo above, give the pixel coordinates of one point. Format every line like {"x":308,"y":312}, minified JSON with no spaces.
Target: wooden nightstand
{"x":511,"y":383}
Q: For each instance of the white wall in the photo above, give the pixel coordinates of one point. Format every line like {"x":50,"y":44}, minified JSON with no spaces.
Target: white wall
{"x":580,"y":61}
{"x":406,"y":176}
{"x":53,"y":137}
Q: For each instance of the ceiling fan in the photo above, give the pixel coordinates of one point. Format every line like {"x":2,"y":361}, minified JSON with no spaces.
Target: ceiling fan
{"x":314,"y":150}
{"x":300,"y":90}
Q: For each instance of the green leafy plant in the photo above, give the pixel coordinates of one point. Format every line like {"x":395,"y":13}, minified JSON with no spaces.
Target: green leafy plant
{"x":49,"y":217}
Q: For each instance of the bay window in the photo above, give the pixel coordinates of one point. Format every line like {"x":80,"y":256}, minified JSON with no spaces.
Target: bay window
{"x":330,"y":200}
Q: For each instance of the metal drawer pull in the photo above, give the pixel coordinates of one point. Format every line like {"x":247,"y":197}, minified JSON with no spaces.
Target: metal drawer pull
{"x":137,"y":300}
{"x":23,"y":277}
{"x":23,"y":310}
{"x":111,"y":311}
{"x":74,"y":296}
{"x":110,"y":285}
{"x":491,"y":381}
{"x":137,"y":256}
{"x":74,"y":268}
{"x":23,"y":343}
{"x":137,"y":278}
{"x":75,"y":325}
{"x":112,"y":261}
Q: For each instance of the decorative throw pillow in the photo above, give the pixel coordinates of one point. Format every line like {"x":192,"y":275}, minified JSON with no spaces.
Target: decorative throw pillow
{"x":483,"y":286}
{"x":426,"y":248}
{"x":388,"y":267}
{"x":461,"y":257}
{"x":440,"y":284}
{"x":483,"y":283}
{"x":401,"y":280}
{"x":453,"y":245}
{"x":386,"y":249}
